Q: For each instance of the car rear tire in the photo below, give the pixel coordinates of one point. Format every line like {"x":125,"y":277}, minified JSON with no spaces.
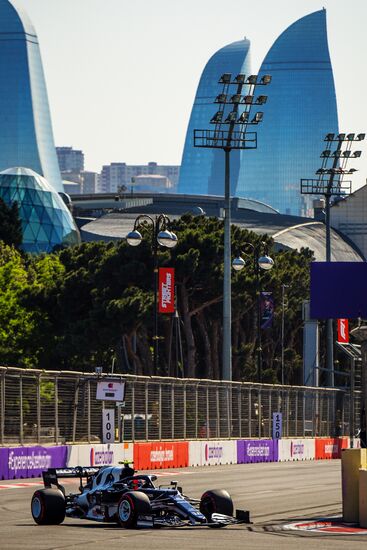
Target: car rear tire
{"x":48,"y":507}
{"x":217,"y":501}
{"x":131,"y":505}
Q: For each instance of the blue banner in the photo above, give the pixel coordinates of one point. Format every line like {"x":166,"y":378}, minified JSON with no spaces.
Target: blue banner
{"x":266,"y":309}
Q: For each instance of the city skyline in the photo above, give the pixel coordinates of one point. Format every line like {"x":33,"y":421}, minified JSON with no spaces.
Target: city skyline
{"x":102,"y":85}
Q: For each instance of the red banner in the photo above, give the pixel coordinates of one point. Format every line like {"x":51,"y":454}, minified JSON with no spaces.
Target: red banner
{"x":166,"y":290}
{"x":343,"y":331}
{"x":150,"y":456}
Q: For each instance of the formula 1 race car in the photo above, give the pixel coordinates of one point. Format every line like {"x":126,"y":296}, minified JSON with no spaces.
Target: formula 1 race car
{"x":119,"y":495}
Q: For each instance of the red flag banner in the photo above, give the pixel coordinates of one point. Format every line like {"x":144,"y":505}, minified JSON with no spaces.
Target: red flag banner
{"x":343,"y":331}
{"x":166,"y":290}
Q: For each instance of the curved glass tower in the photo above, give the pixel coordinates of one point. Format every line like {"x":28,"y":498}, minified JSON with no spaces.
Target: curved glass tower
{"x":26,"y":137}
{"x":202,"y":170}
{"x":300,"y":111}
{"x":46,"y":220}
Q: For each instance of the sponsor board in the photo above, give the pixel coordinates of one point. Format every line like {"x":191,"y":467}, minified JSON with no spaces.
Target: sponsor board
{"x":111,"y":390}
{"x":4,"y":453}
{"x":99,"y":455}
{"x":257,"y":450}
{"x":330,"y":447}
{"x":296,"y":449}
{"x":218,"y":452}
{"x":25,"y":462}
{"x":206,"y":453}
{"x":150,"y":456}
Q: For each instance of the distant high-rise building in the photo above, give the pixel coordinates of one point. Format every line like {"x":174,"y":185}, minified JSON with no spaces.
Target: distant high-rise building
{"x":119,"y":174}
{"x":70,"y":160}
{"x":301,"y":109}
{"x":202,"y":170}
{"x":90,"y":182}
{"x":150,"y":183}
{"x":26,"y":137}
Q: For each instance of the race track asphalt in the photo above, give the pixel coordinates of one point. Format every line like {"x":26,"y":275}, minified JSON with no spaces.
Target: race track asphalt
{"x":274,"y":493}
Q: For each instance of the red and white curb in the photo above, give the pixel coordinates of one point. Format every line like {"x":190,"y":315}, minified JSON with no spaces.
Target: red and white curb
{"x":20,"y":485}
{"x":326,"y":526}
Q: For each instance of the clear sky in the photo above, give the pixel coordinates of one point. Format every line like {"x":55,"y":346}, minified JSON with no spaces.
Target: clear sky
{"x":122,"y":74}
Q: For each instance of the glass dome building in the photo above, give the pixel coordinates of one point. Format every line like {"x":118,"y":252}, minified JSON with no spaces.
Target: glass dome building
{"x":26,"y":137}
{"x":300,"y":111}
{"x":202,"y":170}
{"x":46,"y":220}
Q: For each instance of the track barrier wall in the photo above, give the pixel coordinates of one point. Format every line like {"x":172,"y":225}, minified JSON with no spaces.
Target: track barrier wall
{"x":99,"y":455}
{"x":330,"y":447}
{"x":257,"y":450}
{"x":4,"y":471}
{"x":296,"y":449}
{"x":151,"y":456}
{"x":211,"y":453}
{"x":27,"y":462}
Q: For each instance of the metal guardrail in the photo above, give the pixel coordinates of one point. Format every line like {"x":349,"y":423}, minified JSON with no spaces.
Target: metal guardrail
{"x":56,"y":407}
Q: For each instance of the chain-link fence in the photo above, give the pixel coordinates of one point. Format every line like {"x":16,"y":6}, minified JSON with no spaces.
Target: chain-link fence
{"x":61,"y":407}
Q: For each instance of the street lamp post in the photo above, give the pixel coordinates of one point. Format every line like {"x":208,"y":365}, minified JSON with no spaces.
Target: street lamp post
{"x":331,"y":182}
{"x":264,"y":262}
{"x":284,"y":286}
{"x":160,"y":236}
{"x":234,"y":112}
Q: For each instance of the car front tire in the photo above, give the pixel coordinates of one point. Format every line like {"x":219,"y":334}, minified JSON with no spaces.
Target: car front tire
{"x":217,"y":501}
{"x":130,"y":506}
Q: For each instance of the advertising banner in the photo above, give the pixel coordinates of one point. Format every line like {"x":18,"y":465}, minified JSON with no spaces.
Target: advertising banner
{"x":166,"y":290}
{"x":296,"y":449}
{"x":343,"y":331}
{"x":26,"y":462}
{"x":266,"y":309}
{"x":195,"y":453}
{"x":257,"y":450}
{"x":111,"y":390}
{"x":150,"y":456}
{"x":328,"y":281}
{"x":4,"y":463}
{"x":218,"y":452}
{"x":99,"y":455}
{"x":330,"y":447}
{"x":210,"y":453}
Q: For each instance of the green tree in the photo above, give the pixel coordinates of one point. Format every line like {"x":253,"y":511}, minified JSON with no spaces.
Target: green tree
{"x":93,"y":303}
{"x":10,"y":224}
{"x":17,"y":323}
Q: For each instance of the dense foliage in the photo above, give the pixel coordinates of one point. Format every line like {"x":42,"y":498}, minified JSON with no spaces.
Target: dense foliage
{"x":10,"y":224}
{"x":92,"y":304}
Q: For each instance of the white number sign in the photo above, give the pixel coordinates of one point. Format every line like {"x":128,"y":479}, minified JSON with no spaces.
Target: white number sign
{"x":108,"y":425}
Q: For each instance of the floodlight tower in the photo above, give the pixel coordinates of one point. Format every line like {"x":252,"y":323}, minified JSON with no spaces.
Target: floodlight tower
{"x":234,"y":114}
{"x":331,"y":182}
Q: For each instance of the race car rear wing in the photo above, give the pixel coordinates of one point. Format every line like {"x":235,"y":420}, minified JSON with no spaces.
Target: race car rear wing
{"x":52,"y":475}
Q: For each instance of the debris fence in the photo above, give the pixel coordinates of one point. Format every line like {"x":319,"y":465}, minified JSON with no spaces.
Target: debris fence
{"x":54,"y":407}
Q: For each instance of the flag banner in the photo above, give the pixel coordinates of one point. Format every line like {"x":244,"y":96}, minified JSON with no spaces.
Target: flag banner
{"x":343,"y":331}
{"x":266,"y":309}
{"x":166,"y":290}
